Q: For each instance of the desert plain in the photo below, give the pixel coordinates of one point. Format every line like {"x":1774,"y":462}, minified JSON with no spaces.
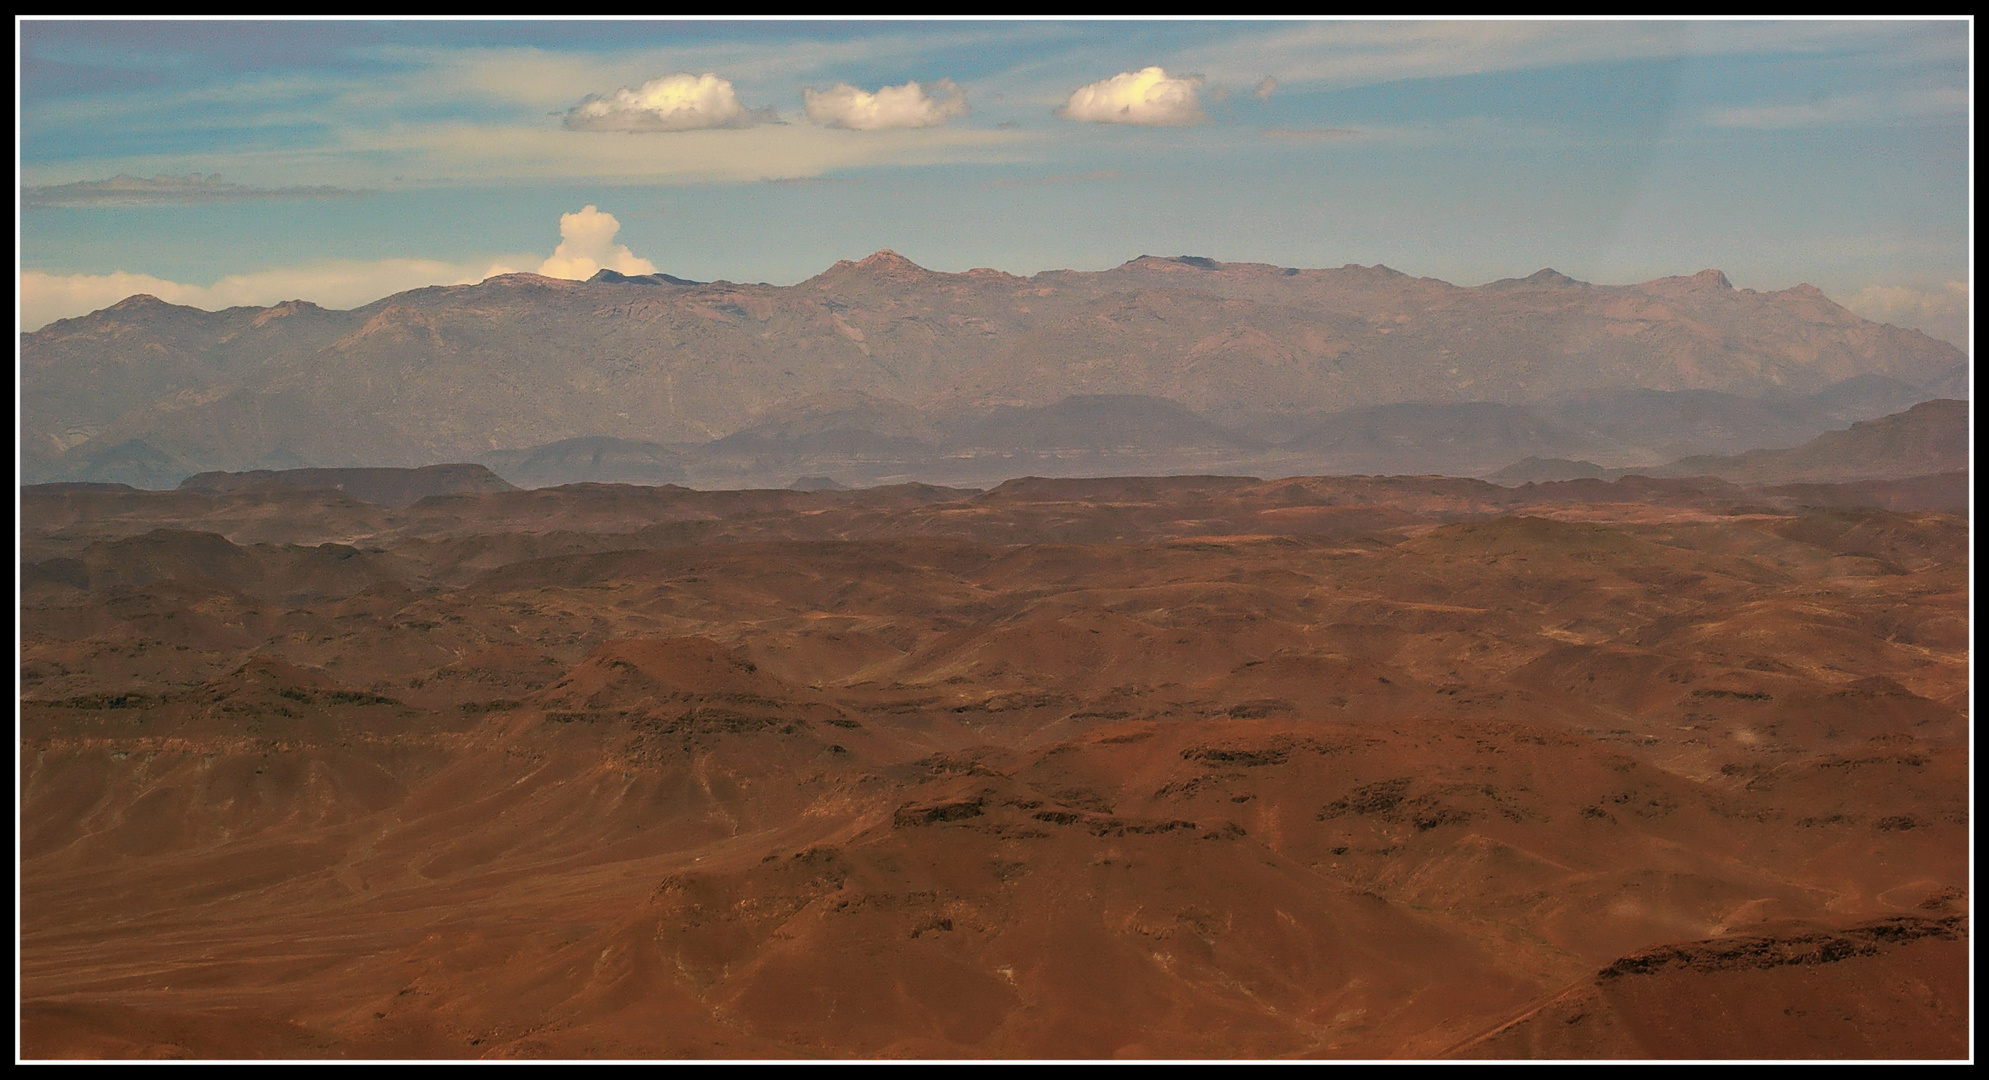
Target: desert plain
{"x":1182,"y":767}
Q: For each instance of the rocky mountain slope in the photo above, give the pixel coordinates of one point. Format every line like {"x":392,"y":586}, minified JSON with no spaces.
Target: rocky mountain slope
{"x":1929,"y":439}
{"x":519,"y":361}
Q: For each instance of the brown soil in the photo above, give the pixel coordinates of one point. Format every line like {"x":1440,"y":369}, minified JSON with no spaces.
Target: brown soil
{"x":1181,"y":768}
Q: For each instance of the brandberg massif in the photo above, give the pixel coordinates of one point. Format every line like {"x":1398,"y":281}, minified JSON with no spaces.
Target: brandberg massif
{"x":1188,"y":659}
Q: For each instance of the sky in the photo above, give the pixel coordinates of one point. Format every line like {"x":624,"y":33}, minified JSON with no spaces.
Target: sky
{"x":216,"y":163}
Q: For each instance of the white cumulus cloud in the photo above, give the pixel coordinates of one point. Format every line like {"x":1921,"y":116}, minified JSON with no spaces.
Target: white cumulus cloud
{"x":678,"y":102}
{"x":907,"y":106}
{"x":1146,"y":96}
{"x":587,"y":244}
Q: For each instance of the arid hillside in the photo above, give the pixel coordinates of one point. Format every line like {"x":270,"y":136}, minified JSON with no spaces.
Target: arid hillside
{"x":1931,"y":437}
{"x":1200,"y":767}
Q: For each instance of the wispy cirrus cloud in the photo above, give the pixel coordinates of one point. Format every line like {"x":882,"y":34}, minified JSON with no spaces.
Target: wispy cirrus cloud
{"x":448,"y":154}
{"x":1821,"y":109}
{"x":124,"y":190}
{"x":333,"y":283}
{"x":1308,"y":134}
{"x":765,"y":152}
{"x":1941,"y":312}
{"x":1346,"y":54}
{"x":1366,"y":53}
{"x":1093,"y":176}
{"x":586,"y":245}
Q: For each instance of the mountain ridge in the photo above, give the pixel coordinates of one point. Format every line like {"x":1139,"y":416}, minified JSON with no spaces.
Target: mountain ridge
{"x":450,"y":372}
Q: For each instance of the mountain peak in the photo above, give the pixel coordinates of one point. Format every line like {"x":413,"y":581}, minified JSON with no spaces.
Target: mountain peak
{"x":523,"y":278}
{"x":1377,"y":272}
{"x":613,"y":277}
{"x":284,"y":310}
{"x":1548,"y":277}
{"x":885,"y":264}
{"x":1705,"y":281}
{"x":1170,"y":262}
{"x":889,"y":261}
{"x":140,"y":307}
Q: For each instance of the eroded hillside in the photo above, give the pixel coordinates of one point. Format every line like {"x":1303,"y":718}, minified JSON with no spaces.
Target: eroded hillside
{"x":1188,"y":767}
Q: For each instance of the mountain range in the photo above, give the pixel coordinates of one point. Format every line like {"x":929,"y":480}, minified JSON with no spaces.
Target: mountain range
{"x":881,"y":371}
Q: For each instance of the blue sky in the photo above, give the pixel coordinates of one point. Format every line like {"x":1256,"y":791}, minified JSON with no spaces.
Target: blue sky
{"x":223,"y":162}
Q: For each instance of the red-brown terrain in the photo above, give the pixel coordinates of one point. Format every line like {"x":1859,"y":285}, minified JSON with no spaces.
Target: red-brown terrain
{"x":1189,"y":767}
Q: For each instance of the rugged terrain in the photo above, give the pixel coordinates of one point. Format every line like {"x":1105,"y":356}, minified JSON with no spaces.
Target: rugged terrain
{"x":882,"y":371}
{"x":1180,"y":767}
